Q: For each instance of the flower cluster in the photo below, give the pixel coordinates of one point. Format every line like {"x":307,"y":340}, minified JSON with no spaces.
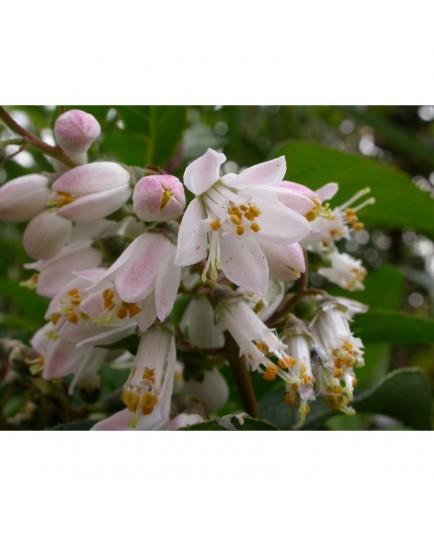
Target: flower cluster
{"x":115,"y":254}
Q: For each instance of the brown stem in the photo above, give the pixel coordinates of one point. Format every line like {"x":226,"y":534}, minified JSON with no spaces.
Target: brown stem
{"x":242,"y":378}
{"x":54,"y":152}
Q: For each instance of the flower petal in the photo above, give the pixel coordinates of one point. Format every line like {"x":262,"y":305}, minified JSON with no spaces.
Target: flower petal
{"x":271,"y":172}
{"x":166,"y":288}
{"x":91,"y":178}
{"x":243,"y":263}
{"x":123,"y":420}
{"x":203,"y":172}
{"x":192,"y":236}
{"x":327,"y":191}
{"x":285,"y":261}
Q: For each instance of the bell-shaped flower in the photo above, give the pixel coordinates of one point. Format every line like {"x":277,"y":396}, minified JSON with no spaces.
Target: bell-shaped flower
{"x":145,"y":275}
{"x":340,"y":349}
{"x":263,"y":349}
{"x":75,"y":131}
{"x":300,"y":344}
{"x":345,"y":271}
{"x":158,"y":198}
{"x":46,"y":234}
{"x":198,"y":322}
{"x":22,"y":198}
{"x":91,"y":191}
{"x":236,"y":215}
{"x":148,"y":391}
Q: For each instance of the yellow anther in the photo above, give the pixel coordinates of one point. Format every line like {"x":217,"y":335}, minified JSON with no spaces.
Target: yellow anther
{"x":122,"y":313}
{"x":108,"y":294}
{"x":255,"y":227}
{"x":165,"y":198}
{"x":306,"y":379}
{"x":338,"y":362}
{"x":349,"y":213}
{"x":54,"y":318}
{"x":72,"y":317}
{"x":215,"y":225}
{"x":233,"y":210}
{"x":291,"y":397}
{"x":358,"y":226}
{"x":286,"y":362}
{"x":254,"y":210}
{"x":61,"y":199}
{"x":354,"y":382}
{"x":149,"y":374}
{"x":259,"y":306}
{"x":148,"y":402}
{"x":109,"y":305}
{"x":338,"y":373}
{"x":311,"y":215}
{"x":84,"y":316}
{"x":262,"y":347}
{"x":73,"y":292}
{"x":240,"y":230}
{"x":236,"y":219}
{"x":270,"y":373}
{"x":335,"y":233}
{"x":133,"y":310}
{"x":346,"y":345}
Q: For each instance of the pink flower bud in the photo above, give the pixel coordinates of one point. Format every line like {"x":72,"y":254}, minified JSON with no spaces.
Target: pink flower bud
{"x":23,"y":198}
{"x":75,"y":131}
{"x":158,"y":198}
{"x":45,"y":235}
{"x":91,"y":191}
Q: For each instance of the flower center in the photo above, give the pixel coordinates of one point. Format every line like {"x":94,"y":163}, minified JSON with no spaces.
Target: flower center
{"x":60,"y":199}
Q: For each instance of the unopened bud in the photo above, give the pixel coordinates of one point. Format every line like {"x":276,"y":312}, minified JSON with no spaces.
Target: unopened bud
{"x":46,"y":234}
{"x":158,"y":198}
{"x":23,"y":198}
{"x":75,"y":131}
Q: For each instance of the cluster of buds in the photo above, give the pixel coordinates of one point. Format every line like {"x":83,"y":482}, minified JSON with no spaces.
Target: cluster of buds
{"x":236,"y":251}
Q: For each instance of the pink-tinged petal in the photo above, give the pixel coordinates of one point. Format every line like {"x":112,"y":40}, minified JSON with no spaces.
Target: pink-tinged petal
{"x":149,"y":313}
{"x":286,"y":261}
{"x":135,"y":280}
{"x":293,"y":200}
{"x":45,"y":235}
{"x":166,"y":288}
{"x":91,"y":276}
{"x":64,"y":359}
{"x":203,"y":172}
{"x":108,"y":335}
{"x":57,"y":272}
{"x":95,"y":206}
{"x":75,"y":131}
{"x":298,"y":188}
{"x":40,"y":342}
{"x":243,"y":263}
{"x":279,"y":224}
{"x":22,"y":198}
{"x":124,"y":421}
{"x":192,"y":238}
{"x":93,"y":305}
{"x":92,"y":178}
{"x":327,"y":191}
{"x":266,"y":173}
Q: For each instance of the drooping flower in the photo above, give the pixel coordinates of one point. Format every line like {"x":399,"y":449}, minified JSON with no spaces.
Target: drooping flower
{"x":158,"y":198}
{"x":23,"y":198}
{"x":147,"y":392}
{"x":91,"y":191}
{"x":236,"y":215}
{"x":345,"y":271}
{"x":144,"y":273}
{"x":340,"y":351}
{"x":212,"y":390}
{"x":198,"y":322}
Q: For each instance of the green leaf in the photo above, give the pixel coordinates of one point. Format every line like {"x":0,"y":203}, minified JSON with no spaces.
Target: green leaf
{"x":404,"y":394}
{"x":386,"y":326}
{"x":29,"y":303}
{"x":231,"y":423}
{"x":399,"y":203}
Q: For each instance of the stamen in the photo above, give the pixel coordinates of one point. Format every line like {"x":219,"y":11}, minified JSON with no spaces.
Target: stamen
{"x":255,"y":227}
{"x":240,"y":230}
{"x":369,"y":201}
{"x":358,"y":195}
{"x":215,"y":225}
{"x":166,"y":197}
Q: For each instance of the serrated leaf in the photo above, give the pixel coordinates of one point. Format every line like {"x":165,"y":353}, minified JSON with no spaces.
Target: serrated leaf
{"x":403,"y":394}
{"x":399,"y":203}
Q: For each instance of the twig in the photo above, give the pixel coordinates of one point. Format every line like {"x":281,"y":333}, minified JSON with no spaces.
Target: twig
{"x":34,"y":141}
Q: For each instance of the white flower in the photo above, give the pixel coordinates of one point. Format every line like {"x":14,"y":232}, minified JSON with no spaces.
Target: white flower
{"x":46,"y":234}
{"x":22,"y":198}
{"x":198,"y":321}
{"x":236,"y":215}
{"x":258,"y":343}
{"x":341,"y":351}
{"x":145,"y":273}
{"x":147,"y":392}
{"x":212,"y":390}
{"x":345,"y":271}
{"x":91,"y":191}
{"x":158,"y":198}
